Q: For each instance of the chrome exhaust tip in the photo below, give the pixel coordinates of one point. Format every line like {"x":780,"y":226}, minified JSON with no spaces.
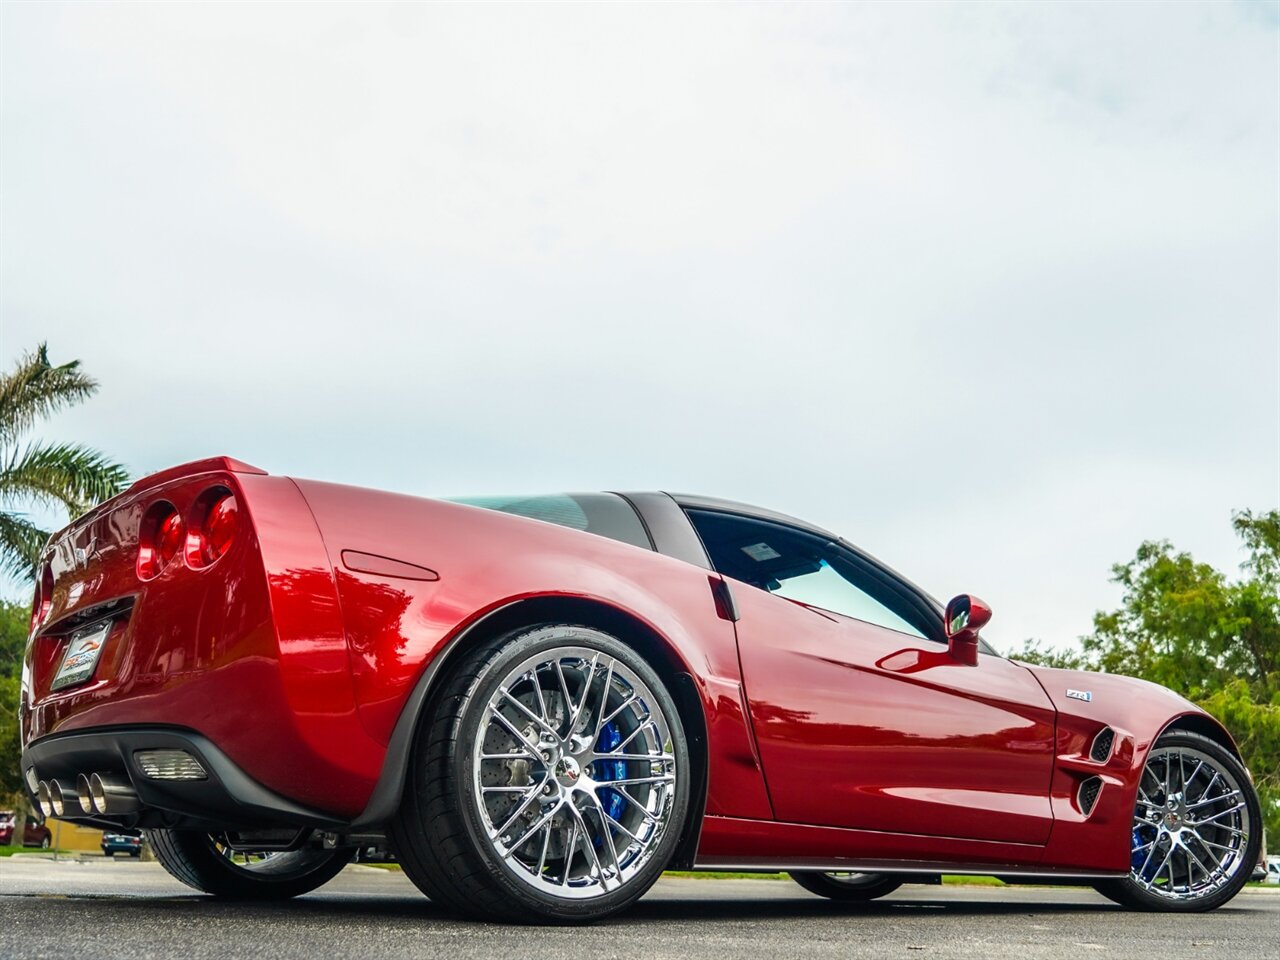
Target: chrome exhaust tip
{"x":42,"y":798}
{"x":112,"y":793}
{"x":63,"y":798}
{"x":82,"y":791}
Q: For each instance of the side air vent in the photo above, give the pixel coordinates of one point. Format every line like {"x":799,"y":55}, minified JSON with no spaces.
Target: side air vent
{"x":1102,"y":743}
{"x":1088,"y":794}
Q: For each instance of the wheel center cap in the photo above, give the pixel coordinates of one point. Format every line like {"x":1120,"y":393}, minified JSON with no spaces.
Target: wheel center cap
{"x":568,"y":771}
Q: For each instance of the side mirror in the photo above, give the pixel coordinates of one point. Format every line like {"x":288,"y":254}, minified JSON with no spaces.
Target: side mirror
{"x":966,"y":615}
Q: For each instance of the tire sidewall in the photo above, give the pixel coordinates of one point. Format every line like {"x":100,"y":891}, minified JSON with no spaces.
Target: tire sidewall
{"x":461,"y":768}
{"x":190,"y":856}
{"x":824,"y":886}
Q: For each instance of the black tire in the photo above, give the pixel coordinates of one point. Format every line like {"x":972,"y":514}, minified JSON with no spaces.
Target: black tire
{"x":193,"y":858}
{"x":1130,"y":893}
{"x":848,"y":888}
{"x":44,"y":843}
{"x":438,"y":834}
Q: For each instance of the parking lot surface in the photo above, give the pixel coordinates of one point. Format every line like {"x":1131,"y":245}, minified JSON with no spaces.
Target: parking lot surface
{"x":105,"y":909}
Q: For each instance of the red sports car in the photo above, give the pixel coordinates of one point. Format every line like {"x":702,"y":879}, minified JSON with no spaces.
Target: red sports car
{"x":541,"y":703}
{"x":34,"y":833}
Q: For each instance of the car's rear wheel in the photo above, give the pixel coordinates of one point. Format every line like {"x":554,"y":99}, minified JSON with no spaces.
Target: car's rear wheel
{"x":207,"y":863}
{"x":1196,"y":829}
{"x":849,"y":887}
{"x":548,"y":784}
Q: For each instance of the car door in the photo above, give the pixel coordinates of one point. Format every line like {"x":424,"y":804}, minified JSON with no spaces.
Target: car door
{"x":861,"y":716}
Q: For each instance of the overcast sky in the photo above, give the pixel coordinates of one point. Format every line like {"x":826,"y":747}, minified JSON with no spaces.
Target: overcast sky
{"x":994,"y":290}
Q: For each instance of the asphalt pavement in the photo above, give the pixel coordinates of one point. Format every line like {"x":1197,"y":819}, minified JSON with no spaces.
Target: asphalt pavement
{"x":103,"y":909}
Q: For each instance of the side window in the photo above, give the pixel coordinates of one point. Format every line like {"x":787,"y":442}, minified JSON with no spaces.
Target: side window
{"x":801,"y":567}
{"x":826,"y":588}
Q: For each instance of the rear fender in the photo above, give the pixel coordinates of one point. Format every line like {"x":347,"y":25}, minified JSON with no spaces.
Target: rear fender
{"x":492,"y":571}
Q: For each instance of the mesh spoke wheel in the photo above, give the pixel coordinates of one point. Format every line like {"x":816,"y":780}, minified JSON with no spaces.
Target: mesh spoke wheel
{"x":1191,"y":825}
{"x":1195,"y":831}
{"x":574,"y":775}
{"x":549,"y":784}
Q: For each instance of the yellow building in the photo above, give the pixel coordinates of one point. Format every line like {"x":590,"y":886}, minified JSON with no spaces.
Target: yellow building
{"x":70,"y":836}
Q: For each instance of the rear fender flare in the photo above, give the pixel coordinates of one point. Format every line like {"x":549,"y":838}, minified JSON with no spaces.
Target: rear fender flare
{"x":527,"y":611}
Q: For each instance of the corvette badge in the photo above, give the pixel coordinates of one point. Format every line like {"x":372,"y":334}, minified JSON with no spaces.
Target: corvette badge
{"x":1084,"y":695}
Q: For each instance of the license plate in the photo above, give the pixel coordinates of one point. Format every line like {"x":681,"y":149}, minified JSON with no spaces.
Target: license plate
{"x":82,"y":655}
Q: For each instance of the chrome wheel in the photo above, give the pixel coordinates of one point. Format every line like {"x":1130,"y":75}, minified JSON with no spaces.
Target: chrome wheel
{"x":1191,"y":825}
{"x":574,"y":773}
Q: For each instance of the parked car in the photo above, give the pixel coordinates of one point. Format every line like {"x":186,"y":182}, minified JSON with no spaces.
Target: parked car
{"x":34,"y":833}
{"x":1273,"y":870}
{"x":129,"y":842}
{"x":541,"y":703}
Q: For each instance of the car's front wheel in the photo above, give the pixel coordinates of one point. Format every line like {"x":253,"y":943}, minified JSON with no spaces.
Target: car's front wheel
{"x":1196,"y":828}
{"x":848,"y":887}
{"x":550,"y":783}
{"x":207,"y":863}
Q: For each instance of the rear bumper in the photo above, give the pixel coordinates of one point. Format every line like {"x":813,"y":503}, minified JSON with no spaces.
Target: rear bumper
{"x":227,"y":799}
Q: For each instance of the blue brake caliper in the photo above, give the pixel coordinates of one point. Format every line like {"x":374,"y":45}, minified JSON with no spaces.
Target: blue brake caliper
{"x":1143,"y":836}
{"x":612,"y":801}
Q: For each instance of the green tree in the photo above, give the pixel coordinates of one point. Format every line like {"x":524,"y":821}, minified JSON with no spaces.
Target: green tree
{"x":59,"y":475}
{"x":65,"y":475}
{"x":1213,"y":638}
{"x":14,"y":618}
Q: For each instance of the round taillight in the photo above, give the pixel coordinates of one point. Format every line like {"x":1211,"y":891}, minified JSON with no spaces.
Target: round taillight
{"x":213,"y":527}
{"x":44,"y":597}
{"x":159,"y":539}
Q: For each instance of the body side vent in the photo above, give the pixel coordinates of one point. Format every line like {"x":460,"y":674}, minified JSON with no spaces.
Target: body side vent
{"x":1102,"y":744}
{"x":1088,"y":794}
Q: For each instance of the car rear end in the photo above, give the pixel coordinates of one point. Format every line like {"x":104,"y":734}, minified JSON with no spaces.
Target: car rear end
{"x":186,"y":663}
{"x":129,"y":843}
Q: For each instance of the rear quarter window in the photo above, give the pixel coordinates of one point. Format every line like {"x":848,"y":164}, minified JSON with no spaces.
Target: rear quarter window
{"x":604,"y":514}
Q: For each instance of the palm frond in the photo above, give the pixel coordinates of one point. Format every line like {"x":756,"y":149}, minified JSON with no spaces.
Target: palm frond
{"x":20,"y":544}
{"x":35,"y":389}
{"x":65,"y":473}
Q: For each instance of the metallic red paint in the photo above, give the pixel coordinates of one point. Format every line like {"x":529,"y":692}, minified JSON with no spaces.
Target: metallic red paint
{"x":907,"y":740}
{"x":829,"y":739}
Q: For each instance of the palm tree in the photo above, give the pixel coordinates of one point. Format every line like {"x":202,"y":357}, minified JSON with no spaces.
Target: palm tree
{"x":56,"y":474}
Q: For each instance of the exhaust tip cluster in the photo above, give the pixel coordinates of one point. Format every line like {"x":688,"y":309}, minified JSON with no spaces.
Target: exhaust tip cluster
{"x":105,"y":794}
{"x":111,"y":794}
